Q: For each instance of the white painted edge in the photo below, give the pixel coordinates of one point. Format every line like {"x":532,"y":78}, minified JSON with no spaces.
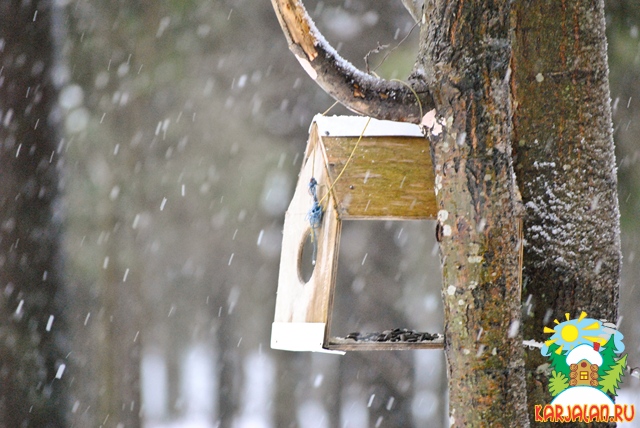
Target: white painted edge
{"x":352,"y":126}
{"x":299,"y":337}
{"x":307,"y":67}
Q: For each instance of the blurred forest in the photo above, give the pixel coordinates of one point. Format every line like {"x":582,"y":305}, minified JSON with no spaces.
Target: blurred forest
{"x":180,"y":127}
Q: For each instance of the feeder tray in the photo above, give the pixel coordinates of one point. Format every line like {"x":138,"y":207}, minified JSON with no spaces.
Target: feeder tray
{"x":389,"y":177}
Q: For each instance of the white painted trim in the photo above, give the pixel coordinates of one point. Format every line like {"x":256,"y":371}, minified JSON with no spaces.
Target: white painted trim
{"x":299,"y":336}
{"x":352,"y":126}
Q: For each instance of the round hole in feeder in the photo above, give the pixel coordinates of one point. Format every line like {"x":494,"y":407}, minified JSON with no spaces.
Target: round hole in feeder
{"x":307,"y":256}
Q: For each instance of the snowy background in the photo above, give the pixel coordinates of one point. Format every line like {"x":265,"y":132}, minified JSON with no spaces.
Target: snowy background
{"x":185,"y":124}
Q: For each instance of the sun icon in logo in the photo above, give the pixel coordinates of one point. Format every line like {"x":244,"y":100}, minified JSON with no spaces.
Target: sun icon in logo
{"x":571,"y":333}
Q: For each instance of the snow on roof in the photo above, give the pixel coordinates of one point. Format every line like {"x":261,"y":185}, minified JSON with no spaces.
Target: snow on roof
{"x":352,"y":126}
{"x":584,"y":352}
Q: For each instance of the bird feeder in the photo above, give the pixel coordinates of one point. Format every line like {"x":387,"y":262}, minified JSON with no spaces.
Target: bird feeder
{"x":389,"y":176}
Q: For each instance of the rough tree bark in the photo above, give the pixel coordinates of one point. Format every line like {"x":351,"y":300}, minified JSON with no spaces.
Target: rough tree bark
{"x":30,"y":355}
{"x":466,"y":63}
{"x":467,"y":68}
{"x":553,"y":84}
{"x":565,"y":165}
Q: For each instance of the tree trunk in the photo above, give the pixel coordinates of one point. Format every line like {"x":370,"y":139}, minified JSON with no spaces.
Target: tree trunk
{"x":102,"y":241}
{"x":466,"y":63}
{"x":565,"y":165}
{"x":121,"y":344}
{"x":289,"y":369}
{"x":30,"y":356}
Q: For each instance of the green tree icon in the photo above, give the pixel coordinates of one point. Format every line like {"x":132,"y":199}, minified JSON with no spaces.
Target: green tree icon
{"x":608,"y":352}
{"x":559,"y":361}
{"x":558,"y":383}
{"x":611,"y":379}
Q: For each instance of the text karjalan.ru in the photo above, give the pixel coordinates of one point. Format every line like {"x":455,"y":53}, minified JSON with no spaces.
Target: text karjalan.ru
{"x":584,"y":413}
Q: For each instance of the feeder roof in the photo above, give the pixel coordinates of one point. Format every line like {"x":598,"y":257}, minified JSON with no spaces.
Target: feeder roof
{"x":352,"y":126}
{"x":584,"y":352}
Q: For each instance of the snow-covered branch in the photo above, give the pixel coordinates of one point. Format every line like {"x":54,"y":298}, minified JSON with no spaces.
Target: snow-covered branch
{"x":358,"y":91}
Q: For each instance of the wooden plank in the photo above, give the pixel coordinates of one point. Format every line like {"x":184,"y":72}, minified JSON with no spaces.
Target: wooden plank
{"x":341,"y":344}
{"x":295,"y":300}
{"x":387,"y":178}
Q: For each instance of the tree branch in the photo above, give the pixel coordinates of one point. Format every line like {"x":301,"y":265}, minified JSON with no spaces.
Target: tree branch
{"x":358,"y":91}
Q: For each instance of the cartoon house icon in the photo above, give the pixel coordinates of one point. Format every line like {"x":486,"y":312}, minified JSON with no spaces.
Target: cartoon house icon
{"x":584,"y":362}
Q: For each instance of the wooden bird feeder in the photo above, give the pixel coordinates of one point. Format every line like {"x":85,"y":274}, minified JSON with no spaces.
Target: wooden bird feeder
{"x":389,"y":177}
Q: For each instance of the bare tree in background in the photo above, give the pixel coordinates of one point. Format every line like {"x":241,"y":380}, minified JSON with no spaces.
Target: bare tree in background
{"x":566,"y":170}
{"x":32,"y":361}
{"x":531,"y":76}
